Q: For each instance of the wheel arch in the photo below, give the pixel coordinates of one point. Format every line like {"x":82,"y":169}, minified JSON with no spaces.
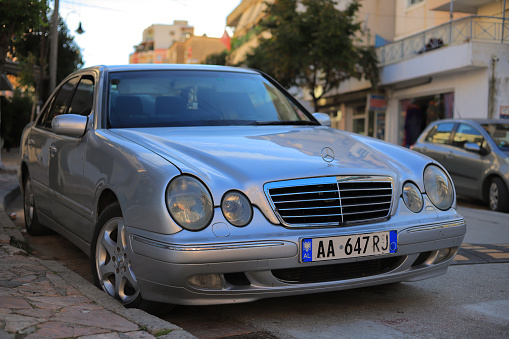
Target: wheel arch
{"x":486,"y":185}
{"x":106,"y":198}
{"x":24,"y":175}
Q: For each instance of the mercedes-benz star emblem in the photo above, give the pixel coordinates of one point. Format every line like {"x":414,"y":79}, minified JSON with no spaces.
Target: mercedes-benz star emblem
{"x":327,"y":155}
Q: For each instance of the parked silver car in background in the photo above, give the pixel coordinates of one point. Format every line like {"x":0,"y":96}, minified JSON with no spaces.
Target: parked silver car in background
{"x":475,"y":153}
{"x":206,"y":184}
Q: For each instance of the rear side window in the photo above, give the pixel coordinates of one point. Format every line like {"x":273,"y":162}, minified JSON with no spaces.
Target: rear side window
{"x":440,"y":134}
{"x":467,"y":134}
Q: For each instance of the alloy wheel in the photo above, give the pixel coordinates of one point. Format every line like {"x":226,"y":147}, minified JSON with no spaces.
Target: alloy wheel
{"x":113,"y":263}
{"x":493,"y":196}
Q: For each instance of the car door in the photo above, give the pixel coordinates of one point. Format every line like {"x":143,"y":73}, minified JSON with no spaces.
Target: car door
{"x":66,"y":165}
{"x":466,"y":167}
{"x":40,"y":151}
{"x":437,"y":143}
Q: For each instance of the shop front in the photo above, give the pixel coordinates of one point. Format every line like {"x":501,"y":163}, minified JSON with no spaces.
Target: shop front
{"x":417,"y":112}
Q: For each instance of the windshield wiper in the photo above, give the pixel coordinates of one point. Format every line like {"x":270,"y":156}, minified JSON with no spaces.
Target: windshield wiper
{"x":285,"y":122}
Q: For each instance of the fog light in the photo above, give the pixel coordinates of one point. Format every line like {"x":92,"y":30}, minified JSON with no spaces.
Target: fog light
{"x":210,"y":281}
{"x":442,"y":255}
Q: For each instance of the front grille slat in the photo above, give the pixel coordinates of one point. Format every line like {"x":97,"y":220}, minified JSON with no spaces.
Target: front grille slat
{"x":331,"y":201}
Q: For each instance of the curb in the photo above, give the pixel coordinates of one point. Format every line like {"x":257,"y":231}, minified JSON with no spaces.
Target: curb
{"x":152,"y":324}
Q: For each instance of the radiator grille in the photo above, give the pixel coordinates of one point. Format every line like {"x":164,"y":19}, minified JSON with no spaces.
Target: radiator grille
{"x":331,"y":200}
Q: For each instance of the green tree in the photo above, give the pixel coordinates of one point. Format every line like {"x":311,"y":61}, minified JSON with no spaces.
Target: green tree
{"x":28,"y":50}
{"x":16,"y":16}
{"x":15,"y":115}
{"x":313,"y":45}
{"x":217,"y":58}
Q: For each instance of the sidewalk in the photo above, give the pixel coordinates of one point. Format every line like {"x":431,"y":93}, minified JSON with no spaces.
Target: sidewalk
{"x":43,"y":299}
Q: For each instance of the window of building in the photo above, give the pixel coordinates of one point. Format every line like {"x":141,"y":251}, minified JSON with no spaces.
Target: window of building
{"x":414,"y":2}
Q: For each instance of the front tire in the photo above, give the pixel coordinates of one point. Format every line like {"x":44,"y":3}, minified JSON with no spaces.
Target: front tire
{"x":498,"y":196}
{"x":111,"y":258}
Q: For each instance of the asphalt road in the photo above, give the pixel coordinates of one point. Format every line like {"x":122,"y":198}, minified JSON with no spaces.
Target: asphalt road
{"x":470,"y":301}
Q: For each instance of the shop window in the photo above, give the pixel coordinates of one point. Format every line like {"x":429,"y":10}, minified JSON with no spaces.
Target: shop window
{"x":440,"y":134}
{"x":418,"y":112}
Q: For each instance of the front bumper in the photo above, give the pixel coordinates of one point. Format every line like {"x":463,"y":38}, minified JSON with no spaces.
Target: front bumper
{"x":265,"y":261}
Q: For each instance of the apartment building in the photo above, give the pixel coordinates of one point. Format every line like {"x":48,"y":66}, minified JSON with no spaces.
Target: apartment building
{"x":156,"y":41}
{"x":449,"y":58}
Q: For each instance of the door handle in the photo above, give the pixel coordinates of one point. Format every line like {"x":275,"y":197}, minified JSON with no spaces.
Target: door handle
{"x":31,"y":142}
{"x":52,"y":151}
{"x":449,"y":155}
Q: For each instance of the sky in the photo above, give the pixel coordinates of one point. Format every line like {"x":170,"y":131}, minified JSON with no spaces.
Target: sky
{"x":113,"y":27}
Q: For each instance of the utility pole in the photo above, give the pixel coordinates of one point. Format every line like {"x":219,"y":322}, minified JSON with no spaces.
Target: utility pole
{"x":53,"y":52}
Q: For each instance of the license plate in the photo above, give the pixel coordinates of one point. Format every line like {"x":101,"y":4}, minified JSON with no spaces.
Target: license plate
{"x":349,"y":246}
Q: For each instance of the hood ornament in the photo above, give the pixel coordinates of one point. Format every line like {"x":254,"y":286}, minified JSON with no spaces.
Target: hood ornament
{"x":327,"y":155}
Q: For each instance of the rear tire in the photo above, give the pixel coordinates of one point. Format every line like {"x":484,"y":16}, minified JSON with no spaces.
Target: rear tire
{"x":32,"y":224}
{"x":498,"y":196}
{"x":110,"y":259}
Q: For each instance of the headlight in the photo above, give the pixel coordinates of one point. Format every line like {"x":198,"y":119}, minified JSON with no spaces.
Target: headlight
{"x":189,"y":203}
{"x":237,"y":208}
{"x":412,"y":197}
{"x":438,"y":187}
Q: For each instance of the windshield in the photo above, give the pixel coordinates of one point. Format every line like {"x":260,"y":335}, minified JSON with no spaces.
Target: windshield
{"x":198,"y":98}
{"x":500,"y":134}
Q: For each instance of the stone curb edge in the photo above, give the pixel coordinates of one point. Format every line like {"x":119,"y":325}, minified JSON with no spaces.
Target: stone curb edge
{"x":150,"y":323}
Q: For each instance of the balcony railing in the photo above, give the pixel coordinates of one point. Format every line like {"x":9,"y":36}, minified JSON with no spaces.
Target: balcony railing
{"x":472,"y":28}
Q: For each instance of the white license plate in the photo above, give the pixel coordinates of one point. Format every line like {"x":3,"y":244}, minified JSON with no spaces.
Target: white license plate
{"x":349,"y":246}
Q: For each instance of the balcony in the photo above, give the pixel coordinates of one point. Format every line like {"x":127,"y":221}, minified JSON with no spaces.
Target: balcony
{"x":461,"y":31}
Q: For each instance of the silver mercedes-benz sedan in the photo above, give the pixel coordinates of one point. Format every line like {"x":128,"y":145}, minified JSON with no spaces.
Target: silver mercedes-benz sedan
{"x":205,"y":185}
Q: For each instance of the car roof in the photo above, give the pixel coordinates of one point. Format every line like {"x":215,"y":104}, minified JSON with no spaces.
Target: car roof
{"x":477,"y":120}
{"x":170,"y":67}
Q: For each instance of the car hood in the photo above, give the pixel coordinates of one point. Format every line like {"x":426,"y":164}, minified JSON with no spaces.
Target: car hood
{"x":247,"y":157}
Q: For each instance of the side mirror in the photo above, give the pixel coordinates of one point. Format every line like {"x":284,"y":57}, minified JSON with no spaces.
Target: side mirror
{"x":475,"y":148}
{"x":472,"y":147}
{"x":323,"y":119}
{"x":71,"y":125}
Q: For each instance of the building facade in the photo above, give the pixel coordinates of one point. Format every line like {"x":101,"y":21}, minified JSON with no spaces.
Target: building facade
{"x":156,"y":41}
{"x":443,"y":60}
{"x":440,"y":57}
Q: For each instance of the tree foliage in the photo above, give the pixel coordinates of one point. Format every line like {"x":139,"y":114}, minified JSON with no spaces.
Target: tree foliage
{"x":217,"y":58}
{"x":28,"y":50}
{"x":313,"y":45}
{"x":17,"y":17}
{"x":15,"y":115}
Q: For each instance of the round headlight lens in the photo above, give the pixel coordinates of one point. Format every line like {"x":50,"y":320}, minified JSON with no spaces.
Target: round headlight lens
{"x":189,"y":203}
{"x":412,"y":197}
{"x":438,"y":187}
{"x":237,"y":208}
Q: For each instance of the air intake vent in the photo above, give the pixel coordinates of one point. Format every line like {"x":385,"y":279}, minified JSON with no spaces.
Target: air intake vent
{"x":331,"y":201}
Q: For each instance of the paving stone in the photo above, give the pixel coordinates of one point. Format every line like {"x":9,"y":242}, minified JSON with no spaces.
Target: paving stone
{"x":4,"y":239}
{"x":28,"y":278}
{"x":15,"y":322}
{"x":37,"y":313}
{"x":14,"y":302}
{"x":116,"y":335}
{"x":138,"y":335}
{"x":4,"y":310}
{"x":38,"y":289}
{"x":98,"y":317}
{"x":62,"y":330}
{"x":58,"y":302}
